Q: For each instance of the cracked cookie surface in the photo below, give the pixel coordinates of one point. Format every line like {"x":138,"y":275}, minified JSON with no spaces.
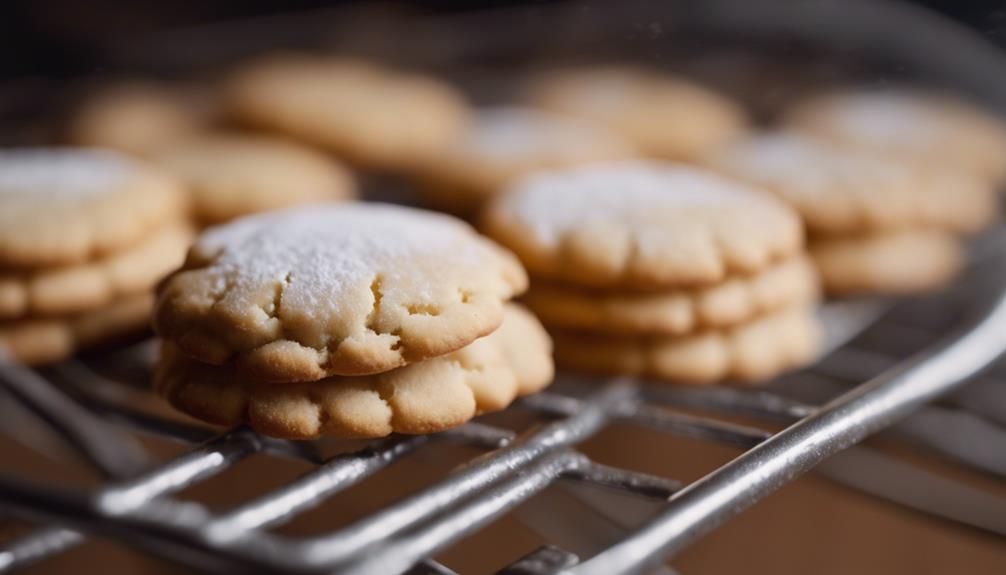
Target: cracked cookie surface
{"x":335,"y":289}
{"x":424,"y":397}
{"x":641,"y":225}
{"x":62,"y":206}
{"x":676,"y":312}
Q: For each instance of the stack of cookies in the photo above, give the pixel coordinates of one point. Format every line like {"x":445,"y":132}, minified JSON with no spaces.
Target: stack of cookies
{"x":878,"y":224}
{"x":663,"y":271}
{"x":353,"y":320}
{"x":84,"y":236}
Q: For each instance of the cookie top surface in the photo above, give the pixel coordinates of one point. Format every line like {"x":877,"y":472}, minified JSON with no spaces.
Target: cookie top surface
{"x":663,"y":115}
{"x":926,"y":127}
{"x":838,"y":190}
{"x":641,"y":225}
{"x":66,"y":205}
{"x":375,"y":116}
{"x":231,"y":175}
{"x":424,"y":397}
{"x":335,"y":289}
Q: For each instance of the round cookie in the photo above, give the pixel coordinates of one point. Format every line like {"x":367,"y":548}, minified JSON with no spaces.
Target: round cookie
{"x":424,"y":397}
{"x":841,"y":191}
{"x":662,"y":115}
{"x":748,"y":353}
{"x":930,"y":129}
{"x":895,"y":263}
{"x":134,"y":117}
{"x":63,"y":206}
{"x":335,"y":289}
{"x":231,"y":175}
{"x":677,"y":312}
{"x":88,"y":286}
{"x":641,"y":225}
{"x":370,"y":115}
{"x":505,"y":143}
{"x":40,"y":341}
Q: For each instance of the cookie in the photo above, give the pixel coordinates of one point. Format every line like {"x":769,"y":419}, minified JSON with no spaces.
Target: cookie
{"x":748,"y":353}
{"x":231,"y":175}
{"x":641,"y":225}
{"x":929,"y":129}
{"x":88,"y":286}
{"x":424,"y":397}
{"x":334,"y":289}
{"x":662,"y":115}
{"x":64,"y":206}
{"x":135,"y":117}
{"x":896,"y":263}
{"x":40,"y":341}
{"x":676,"y":312}
{"x":371,"y":115}
{"x":842,"y":191}
{"x":505,"y":143}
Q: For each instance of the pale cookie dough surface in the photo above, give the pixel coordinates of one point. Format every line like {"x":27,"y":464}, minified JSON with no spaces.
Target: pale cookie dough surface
{"x":424,"y":397}
{"x":332,"y":289}
{"x":61,"y":206}
{"x":88,"y":286}
{"x":840,"y":191}
{"x":370,"y":115}
{"x":40,"y":341}
{"x":135,"y":117}
{"x":677,"y":312}
{"x":931,"y":129}
{"x":897,"y":263}
{"x":748,"y":353}
{"x":507,"y":142}
{"x":641,"y":225}
{"x":232,"y":175}
{"x":663,"y":116}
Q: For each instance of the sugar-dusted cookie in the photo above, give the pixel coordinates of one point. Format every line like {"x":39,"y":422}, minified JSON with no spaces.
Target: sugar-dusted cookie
{"x":842,"y":191}
{"x":750,"y":352}
{"x":505,"y":143}
{"x":930,"y":129}
{"x":231,"y":175}
{"x":677,"y":312}
{"x":424,"y":397}
{"x":39,"y":341}
{"x":88,"y":286}
{"x":135,"y":117}
{"x":641,"y":225}
{"x":330,"y":289}
{"x":61,"y":206}
{"x":368,"y":114}
{"x":893,"y":263}
{"x":664,"y":116}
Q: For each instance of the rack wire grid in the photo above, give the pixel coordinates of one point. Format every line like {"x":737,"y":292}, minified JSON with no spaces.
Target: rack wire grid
{"x":920,"y":367}
{"x":863,"y":385}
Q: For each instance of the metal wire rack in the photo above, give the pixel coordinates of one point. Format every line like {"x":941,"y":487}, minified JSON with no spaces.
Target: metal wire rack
{"x":865,"y":383}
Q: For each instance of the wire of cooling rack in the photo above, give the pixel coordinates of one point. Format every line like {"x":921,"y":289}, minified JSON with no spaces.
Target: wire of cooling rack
{"x":137,"y":508}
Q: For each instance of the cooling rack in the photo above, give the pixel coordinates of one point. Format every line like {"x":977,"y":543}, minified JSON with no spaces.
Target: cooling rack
{"x":860,"y":387}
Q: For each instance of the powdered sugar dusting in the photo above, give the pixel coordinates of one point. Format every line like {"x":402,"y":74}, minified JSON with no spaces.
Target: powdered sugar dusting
{"x":61,"y":172}
{"x":328,"y":248}
{"x":516,"y":133}
{"x":887,"y":119}
{"x":636,"y":195}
